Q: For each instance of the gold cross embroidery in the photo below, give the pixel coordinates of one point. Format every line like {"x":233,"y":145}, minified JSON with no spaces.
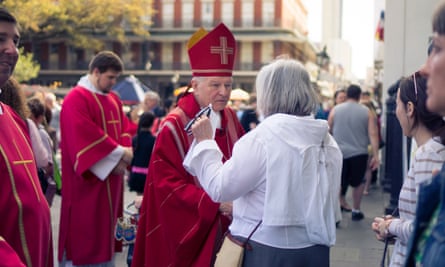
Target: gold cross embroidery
{"x":24,"y":162}
{"x":222,"y":50}
{"x":114,"y":123}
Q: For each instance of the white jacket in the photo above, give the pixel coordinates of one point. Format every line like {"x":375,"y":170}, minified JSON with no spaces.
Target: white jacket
{"x":285,"y":172}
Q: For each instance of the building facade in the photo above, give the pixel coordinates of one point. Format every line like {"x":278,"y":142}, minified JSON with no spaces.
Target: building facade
{"x":264,"y":29}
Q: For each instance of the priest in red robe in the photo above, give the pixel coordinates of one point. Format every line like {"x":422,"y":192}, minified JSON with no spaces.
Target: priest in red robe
{"x":96,"y":150}
{"x":179,"y":224}
{"x":25,"y":227}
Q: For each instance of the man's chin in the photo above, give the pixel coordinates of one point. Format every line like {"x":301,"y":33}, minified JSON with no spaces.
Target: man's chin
{"x":4,"y":77}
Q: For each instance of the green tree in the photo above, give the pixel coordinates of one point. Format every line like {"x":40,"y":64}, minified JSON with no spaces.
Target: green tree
{"x":81,"y":23}
{"x":26,"y":67}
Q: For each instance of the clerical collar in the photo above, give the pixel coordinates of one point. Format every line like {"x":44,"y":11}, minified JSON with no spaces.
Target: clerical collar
{"x":87,"y":84}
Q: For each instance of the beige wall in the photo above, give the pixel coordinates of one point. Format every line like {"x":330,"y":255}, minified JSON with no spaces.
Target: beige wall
{"x":407,"y":28}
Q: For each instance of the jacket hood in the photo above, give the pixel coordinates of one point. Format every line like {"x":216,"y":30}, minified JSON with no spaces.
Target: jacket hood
{"x":290,"y":128}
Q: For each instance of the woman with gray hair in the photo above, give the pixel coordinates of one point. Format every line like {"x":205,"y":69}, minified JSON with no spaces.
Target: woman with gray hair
{"x":284,"y":175}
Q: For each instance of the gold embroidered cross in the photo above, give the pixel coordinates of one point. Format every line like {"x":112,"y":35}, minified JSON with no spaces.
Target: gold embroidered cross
{"x":24,"y":162}
{"x":222,"y":50}
{"x":114,"y":123}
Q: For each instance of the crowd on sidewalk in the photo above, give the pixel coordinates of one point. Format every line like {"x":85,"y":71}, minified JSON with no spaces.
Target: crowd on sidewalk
{"x":271,"y":180}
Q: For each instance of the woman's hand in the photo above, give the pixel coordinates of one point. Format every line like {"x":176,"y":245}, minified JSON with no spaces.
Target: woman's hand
{"x":202,"y":129}
{"x":380,"y":226}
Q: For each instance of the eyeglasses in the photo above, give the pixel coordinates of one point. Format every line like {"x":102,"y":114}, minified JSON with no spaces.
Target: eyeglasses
{"x":415,"y":84}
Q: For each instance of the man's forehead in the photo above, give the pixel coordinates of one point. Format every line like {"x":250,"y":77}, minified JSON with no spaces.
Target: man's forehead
{"x":219,"y":79}
{"x":9,"y":30}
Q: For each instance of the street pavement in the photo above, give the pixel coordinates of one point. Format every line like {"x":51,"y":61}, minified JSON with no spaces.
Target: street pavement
{"x":356,"y":245}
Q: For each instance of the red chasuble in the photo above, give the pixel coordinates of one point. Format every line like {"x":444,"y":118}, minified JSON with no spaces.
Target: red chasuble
{"x":180,"y":225}
{"x":92,"y":126}
{"x":25,"y":227}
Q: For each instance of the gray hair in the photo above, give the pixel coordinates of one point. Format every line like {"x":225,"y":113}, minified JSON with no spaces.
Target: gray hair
{"x":153,"y":96}
{"x":284,"y":86}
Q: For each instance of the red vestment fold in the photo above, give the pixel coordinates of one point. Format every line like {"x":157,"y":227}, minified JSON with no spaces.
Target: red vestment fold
{"x":179,"y":224}
{"x":92,"y":126}
{"x":25,"y":224}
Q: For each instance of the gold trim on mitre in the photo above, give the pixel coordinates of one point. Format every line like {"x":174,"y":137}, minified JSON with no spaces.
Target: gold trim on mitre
{"x":196,"y":37}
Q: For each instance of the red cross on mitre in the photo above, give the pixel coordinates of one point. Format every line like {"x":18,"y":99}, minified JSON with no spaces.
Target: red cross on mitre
{"x":223,"y":50}
{"x":212,"y":53}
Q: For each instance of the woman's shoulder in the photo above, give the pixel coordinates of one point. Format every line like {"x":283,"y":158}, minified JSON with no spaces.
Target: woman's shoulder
{"x":431,"y":150}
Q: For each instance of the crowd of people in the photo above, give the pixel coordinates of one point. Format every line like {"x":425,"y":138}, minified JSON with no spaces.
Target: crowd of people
{"x":203,"y":172}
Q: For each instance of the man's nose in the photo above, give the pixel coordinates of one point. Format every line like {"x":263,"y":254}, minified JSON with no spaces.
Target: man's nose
{"x":425,"y":68}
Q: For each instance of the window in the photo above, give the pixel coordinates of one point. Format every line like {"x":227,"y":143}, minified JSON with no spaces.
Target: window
{"x":167,"y":14}
{"x":187,"y":14}
{"x":207,"y":13}
{"x":247,"y":13}
{"x":268,"y":13}
{"x":167,"y":56}
{"x":246,"y":55}
{"x":54,"y":56}
{"x":227,"y":13}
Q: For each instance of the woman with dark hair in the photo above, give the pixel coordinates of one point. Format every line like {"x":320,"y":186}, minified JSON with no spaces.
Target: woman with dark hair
{"x":428,"y":130}
{"x":426,"y":246}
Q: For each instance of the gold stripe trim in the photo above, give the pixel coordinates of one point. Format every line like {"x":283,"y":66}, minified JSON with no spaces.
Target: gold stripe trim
{"x":20,"y":208}
{"x":176,"y":137}
{"x":102,"y":114}
{"x":152,"y":231}
{"x":169,"y":195}
{"x":81,"y":152}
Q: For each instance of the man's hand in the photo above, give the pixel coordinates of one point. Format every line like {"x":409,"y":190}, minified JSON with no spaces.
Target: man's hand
{"x":374,"y":163}
{"x":226,"y":208}
{"x":127,"y":156}
{"x":120,"y":168}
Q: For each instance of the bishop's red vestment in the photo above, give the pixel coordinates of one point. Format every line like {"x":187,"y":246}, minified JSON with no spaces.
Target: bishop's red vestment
{"x":25,"y":227}
{"x":92,"y":126}
{"x":179,"y":224}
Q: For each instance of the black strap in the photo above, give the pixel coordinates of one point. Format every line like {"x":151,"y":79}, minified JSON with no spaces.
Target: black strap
{"x":251,"y":233}
{"x":387,"y":239}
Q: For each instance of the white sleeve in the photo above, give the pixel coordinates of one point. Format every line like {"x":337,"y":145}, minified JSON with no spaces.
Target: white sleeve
{"x":103,"y":167}
{"x":39,"y":150}
{"x":237,"y":176}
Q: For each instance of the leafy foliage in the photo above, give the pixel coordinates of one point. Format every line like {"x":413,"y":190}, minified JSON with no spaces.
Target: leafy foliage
{"x":81,"y":23}
{"x":26,"y":67}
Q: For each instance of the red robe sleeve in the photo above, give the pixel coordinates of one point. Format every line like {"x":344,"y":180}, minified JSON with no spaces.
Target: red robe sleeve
{"x":8,"y":256}
{"x":99,"y":138}
{"x":174,"y":210}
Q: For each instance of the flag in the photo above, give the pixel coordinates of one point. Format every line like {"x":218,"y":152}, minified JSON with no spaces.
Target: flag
{"x":379,"y":33}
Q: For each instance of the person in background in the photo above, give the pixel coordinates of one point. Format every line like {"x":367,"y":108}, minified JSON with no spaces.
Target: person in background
{"x":365,"y":99}
{"x":168,"y":105}
{"x":339,"y":96}
{"x":427,"y":129}
{"x":52,"y":115}
{"x":249,"y":119}
{"x":96,"y":152}
{"x":354,"y":128}
{"x":426,"y":247}
{"x":37,"y":116}
{"x":151,"y":103}
{"x":179,"y":224}
{"x":25,"y":230}
{"x":300,"y":232}
{"x":143,"y":144}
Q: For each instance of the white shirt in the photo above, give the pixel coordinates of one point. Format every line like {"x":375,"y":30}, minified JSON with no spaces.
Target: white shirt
{"x":279,"y":149}
{"x":428,"y":157}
